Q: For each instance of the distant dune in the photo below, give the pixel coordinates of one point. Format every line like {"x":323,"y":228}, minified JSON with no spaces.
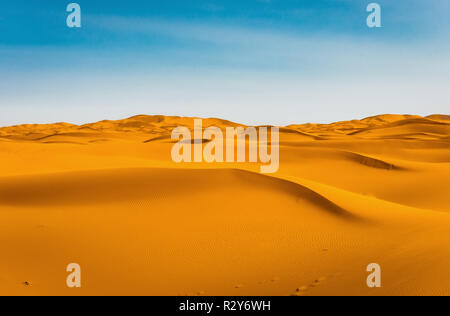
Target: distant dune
{"x":107,"y":195}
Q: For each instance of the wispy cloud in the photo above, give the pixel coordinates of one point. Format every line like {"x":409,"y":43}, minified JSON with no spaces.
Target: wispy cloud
{"x":213,"y":7}
{"x":321,"y":54}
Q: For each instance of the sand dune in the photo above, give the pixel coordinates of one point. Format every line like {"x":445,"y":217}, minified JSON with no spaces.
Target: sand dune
{"x":96,"y":187}
{"x":108,"y":196}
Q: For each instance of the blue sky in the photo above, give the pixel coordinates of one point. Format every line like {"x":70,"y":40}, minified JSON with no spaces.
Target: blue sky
{"x":252,"y":61}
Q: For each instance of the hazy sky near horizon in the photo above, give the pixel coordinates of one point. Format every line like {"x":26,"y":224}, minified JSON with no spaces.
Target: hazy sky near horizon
{"x":250,"y":61}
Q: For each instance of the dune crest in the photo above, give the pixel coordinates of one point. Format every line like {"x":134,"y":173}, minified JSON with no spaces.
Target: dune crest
{"x":125,"y":185}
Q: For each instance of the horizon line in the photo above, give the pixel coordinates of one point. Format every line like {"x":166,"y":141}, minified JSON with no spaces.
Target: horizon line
{"x":221,"y":119}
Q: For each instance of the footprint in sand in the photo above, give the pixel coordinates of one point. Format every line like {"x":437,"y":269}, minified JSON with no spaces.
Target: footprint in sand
{"x":300,"y":291}
{"x":317,"y":282}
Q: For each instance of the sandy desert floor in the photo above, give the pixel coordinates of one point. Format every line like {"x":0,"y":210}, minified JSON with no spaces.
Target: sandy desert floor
{"x":108,"y":197}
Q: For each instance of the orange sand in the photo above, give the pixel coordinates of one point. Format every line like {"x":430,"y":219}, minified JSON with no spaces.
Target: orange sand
{"x":108,"y":196}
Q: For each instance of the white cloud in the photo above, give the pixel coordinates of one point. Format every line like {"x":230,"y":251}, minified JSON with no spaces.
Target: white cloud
{"x":311,"y":54}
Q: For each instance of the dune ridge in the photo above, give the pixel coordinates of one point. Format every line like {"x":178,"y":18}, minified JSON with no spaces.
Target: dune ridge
{"x":139,"y":184}
{"x":158,"y":124}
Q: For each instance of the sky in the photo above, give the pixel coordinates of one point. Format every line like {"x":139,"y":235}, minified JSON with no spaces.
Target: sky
{"x":251,"y":61}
